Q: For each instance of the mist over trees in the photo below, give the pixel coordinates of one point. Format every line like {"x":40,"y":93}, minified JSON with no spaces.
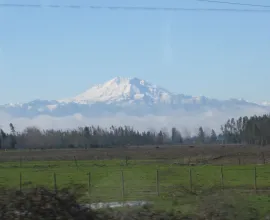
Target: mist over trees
{"x":244,"y":130}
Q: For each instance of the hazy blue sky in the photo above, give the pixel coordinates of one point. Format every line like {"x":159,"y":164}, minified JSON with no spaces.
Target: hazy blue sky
{"x":58,"y":53}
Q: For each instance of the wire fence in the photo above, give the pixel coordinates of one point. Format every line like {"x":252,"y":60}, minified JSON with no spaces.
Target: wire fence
{"x":104,"y":184}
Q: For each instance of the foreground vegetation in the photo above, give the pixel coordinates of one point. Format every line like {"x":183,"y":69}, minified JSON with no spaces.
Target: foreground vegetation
{"x":42,"y":203}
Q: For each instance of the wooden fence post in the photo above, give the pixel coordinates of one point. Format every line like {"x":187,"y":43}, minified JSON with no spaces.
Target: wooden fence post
{"x":20,"y":181}
{"x":263,"y":158}
{"x":157,"y":182}
{"x":76,"y":163}
{"x":255,"y":179}
{"x":189,"y":161}
{"x":222,"y":177}
{"x":190,"y":179}
{"x":89,"y":183}
{"x":54,"y":181}
{"x":126,"y":159}
{"x":123,"y":184}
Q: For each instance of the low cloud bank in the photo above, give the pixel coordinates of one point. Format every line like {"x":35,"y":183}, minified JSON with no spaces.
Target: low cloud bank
{"x":186,"y":122}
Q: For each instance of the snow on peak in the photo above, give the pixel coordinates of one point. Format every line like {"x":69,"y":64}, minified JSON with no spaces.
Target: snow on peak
{"x":134,"y":90}
{"x":123,"y":89}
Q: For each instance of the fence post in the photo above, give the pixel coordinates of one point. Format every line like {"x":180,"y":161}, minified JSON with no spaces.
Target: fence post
{"x":76,"y":163}
{"x":20,"y":161}
{"x":126,"y":158}
{"x":189,"y":161}
{"x":54,"y":181}
{"x":89,"y":183}
{"x":190,"y":179}
{"x":20,"y":181}
{"x":123,"y":184}
{"x":255,"y":179}
{"x":157,"y":182}
{"x":222,"y":177}
{"x":263,"y":157}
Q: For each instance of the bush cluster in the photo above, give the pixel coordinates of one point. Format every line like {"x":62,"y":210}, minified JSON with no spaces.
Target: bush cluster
{"x":44,"y":204}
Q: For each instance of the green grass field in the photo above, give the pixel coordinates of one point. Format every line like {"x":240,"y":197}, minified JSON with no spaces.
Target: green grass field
{"x":171,"y":186}
{"x":140,"y":177}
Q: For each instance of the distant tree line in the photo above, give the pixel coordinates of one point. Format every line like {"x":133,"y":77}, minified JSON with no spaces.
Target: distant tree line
{"x":248,"y":130}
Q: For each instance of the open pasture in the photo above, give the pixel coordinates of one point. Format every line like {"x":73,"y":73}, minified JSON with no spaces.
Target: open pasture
{"x":140,"y":173}
{"x":114,"y":180}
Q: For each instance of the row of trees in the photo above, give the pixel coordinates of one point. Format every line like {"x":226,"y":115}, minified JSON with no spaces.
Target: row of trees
{"x":253,"y":130}
{"x":32,"y":137}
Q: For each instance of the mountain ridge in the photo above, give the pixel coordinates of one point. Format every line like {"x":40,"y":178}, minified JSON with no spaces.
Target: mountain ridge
{"x":131,"y":96}
{"x":129,"y":81}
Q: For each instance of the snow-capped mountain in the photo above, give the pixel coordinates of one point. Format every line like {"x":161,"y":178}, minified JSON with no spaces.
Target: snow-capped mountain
{"x":131,"y":96}
{"x":121,"y":89}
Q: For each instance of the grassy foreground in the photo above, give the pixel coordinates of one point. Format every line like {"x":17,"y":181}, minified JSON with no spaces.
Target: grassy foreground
{"x":138,"y":179}
{"x":42,"y":203}
{"x":168,"y":185}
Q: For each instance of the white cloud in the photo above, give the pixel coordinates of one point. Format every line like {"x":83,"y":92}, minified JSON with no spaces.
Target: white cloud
{"x":182,"y":120}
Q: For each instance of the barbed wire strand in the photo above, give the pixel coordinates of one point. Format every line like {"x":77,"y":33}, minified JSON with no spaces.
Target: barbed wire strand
{"x":133,"y":8}
{"x":234,"y":3}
